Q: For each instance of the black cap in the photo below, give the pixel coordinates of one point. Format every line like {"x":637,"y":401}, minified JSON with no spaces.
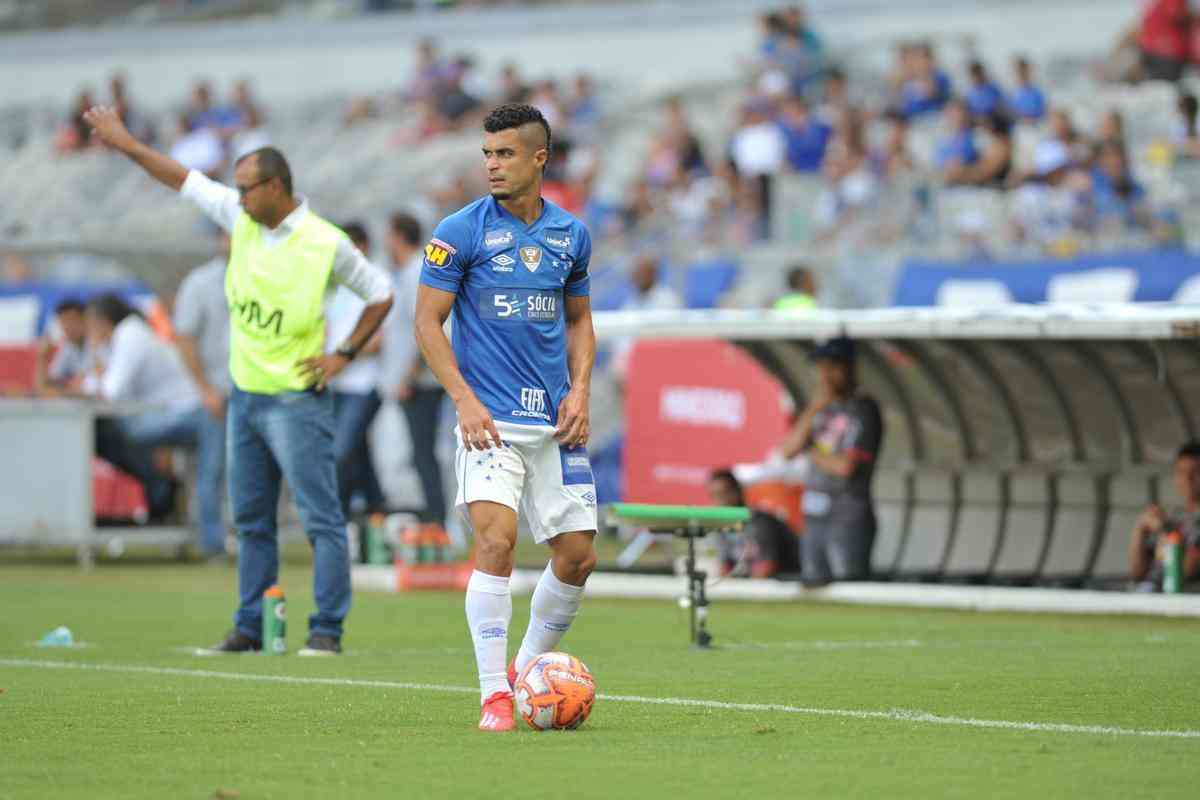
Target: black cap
{"x":840,"y":348}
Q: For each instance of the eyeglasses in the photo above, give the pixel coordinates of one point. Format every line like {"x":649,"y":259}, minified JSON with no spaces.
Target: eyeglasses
{"x":245,"y":190}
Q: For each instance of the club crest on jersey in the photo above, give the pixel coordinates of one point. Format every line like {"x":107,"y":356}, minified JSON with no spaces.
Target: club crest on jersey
{"x":438,"y":253}
{"x":531,"y":257}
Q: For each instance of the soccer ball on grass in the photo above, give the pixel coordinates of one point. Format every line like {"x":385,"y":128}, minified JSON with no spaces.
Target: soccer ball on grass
{"x":555,"y":691}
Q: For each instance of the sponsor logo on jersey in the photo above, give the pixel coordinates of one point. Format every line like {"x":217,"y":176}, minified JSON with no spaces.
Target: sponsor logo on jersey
{"x":560,"y":239}
{"x":503,"y":263}
{"x":519,"y":304}
{"x":497,"y":239}
{"x":531,"y":257}
{"x":438,"y":253}
{"x":533,"y":400}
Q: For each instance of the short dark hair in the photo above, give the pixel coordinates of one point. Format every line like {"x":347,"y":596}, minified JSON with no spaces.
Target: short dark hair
{"x":1189,"y":450}
{"x":357,"y":232}
{"x":69,"y":304}
{"x":406,"y":226}
{"x":725,"y":474}
{"x":271,"y":164}
{"x":111,"y":307}
{"x":514,"y":115}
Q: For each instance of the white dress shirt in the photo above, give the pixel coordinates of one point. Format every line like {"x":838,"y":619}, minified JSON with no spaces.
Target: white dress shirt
{"x":350,"y":268}
{"x":144,"y":369}
{"x":361,"y":375}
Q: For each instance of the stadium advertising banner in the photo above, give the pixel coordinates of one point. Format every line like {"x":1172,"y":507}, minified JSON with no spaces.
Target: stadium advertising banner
{"x":1147,"y":276}
{"x":692,"y":406}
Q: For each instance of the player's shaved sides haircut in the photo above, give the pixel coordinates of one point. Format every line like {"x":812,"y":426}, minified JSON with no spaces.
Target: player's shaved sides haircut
{"x":271,"y":164}
{"x":517,"y":115}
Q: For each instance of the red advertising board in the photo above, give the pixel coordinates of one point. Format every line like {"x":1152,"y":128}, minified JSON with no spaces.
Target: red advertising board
{"x":692,"y":406}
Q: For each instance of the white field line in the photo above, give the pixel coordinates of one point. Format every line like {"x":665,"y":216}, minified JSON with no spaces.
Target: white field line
{"x":892,"y":715}
{"x":830,"y":644}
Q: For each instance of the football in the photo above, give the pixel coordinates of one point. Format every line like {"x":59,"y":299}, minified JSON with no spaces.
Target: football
{"x":555,"y":691}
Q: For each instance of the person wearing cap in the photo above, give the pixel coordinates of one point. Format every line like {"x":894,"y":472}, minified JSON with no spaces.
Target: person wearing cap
{"x":284,"y":260}
{"x":840,"y":432}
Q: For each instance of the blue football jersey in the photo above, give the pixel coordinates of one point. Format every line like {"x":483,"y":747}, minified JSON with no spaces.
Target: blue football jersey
{"x":510,"y":280}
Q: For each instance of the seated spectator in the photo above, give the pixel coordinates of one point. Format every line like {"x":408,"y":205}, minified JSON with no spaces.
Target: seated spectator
{"x":144,"y":370}
{"x":1187,"y":132}
{"x":545,"y":98}
{"x":956,"y":151}
{"x":1047,"y":205}
{"x":135,"y":121}
{"x":1164,"y":39}
{"x":201,"y":149}
{"x":925,"y":88}
{"x":835,"y":96}
{"x":840,"y":432}
{"x":75,"y":134}
{"x":765,"y":547}
{"x":252,"y":133}
{"x":984,"y":96}
{"x":994,"y":165}
{"x":1027,"y":102}
{"x":801,"y":296}
{"x":584,"y":106}
{"x":805,"y":134}
{"x":511,"y":88}
{"x":851,"y":187}
{"x":797,"y":52}
{"x":894,"y":158}
{"x":203,"y":113}
{"x":1115,"y":195}
{"x":1147,"y":542}
{"x":62,"y":363}
{"x":454,"y":102}
{"x":428,"y":72}
{"x":1111,"y":129}
{"x":758,"y":147}
{"x":649,"y":293}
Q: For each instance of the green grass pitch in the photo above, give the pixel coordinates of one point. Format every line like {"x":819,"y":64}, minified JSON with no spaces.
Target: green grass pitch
{"x":157,"y":722}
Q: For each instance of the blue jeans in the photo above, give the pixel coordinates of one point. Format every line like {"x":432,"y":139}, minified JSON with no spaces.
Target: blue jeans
{"x":353,"y":414}
{"x":193,"y":427}
{"x":287,"y":435}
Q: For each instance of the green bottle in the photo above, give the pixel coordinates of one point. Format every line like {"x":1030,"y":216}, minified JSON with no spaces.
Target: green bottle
{"x":274,"y":621}
{"x":1173,"y":563}
{"x":378,"y":551}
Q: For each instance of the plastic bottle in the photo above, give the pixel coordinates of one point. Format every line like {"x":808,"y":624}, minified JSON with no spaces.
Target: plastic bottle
{"x":274,"y":621}
{"x":1172,"y":582}
{"x":377,"y":547}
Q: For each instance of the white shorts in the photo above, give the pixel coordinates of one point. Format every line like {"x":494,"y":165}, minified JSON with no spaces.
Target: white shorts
{"x":549,"y":485}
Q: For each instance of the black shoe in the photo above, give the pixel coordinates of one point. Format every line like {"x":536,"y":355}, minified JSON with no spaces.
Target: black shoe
{"x":235,"y":642}
{"x":320,"y":644}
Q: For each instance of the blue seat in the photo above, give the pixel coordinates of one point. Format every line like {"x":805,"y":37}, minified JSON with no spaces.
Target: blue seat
{"x":703,"y":284}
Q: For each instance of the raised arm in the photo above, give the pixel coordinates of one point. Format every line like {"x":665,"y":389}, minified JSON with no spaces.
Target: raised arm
{"x":107,"y":125}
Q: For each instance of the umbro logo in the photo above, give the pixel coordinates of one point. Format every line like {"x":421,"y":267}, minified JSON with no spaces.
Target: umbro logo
{"x":503,"y":263}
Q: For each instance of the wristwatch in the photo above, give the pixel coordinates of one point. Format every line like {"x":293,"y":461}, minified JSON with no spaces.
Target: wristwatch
{"x":346,"y":351}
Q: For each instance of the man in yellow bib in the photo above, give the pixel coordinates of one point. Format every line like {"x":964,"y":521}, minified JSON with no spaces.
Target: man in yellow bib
{"x":284,"y":259}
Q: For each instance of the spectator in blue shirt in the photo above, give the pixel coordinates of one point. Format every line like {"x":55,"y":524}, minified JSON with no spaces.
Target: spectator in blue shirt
{"x":984,"y":97}
{"x":1027,"y":103}
{"x":926,"y":87}
{"x":1115,"y":195}
{"x":806,"y":135}
{"x":957,"y":149}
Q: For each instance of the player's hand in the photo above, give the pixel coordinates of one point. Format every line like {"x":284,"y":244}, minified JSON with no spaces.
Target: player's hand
{"x":573,"y":425}
{"x":107,"y":126}
{"x":320,"y":369}
{"x":476,"y":426}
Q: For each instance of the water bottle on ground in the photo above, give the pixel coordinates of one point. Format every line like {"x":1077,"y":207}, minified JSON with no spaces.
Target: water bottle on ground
{"x":274,"y":621}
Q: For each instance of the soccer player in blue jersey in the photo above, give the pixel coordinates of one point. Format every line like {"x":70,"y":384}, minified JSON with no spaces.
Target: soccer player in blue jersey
{"x":513,"y":268}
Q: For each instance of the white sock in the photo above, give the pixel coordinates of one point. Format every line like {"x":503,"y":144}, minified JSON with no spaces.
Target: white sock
{"x":551,"y":613}
{"x":489,"y":610}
